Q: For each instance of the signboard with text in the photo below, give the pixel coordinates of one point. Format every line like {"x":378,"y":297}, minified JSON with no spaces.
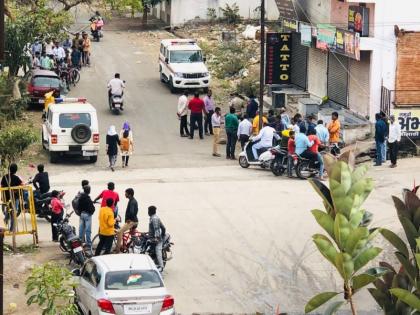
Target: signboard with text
{"x":325,"y":38}
{"x":347,"y":44}
{"x":358,"y":20}
{"x":409,"y":120}
{"x":290,"y":25}
{"x":305,"y":34}
{"x":286,"y":9}
{"x":278,"y":57}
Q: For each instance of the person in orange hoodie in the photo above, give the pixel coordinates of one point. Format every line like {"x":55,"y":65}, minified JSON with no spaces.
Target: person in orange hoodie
{"x":334,"y":128}
{"x":106,"y":228}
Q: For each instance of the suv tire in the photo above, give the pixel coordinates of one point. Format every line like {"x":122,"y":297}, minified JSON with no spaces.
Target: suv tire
{"x":81,"y":133}
{"x":171,"y":86}
{"x":53,"y":157}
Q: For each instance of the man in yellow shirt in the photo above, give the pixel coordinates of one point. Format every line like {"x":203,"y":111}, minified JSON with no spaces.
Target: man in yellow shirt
{"x":256,"y":123}
{"x":106,"y":228}
{"x":334,"y":128}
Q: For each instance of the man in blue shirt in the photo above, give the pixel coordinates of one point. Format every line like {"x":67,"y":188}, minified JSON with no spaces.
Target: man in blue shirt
{"x":302,"y":149}
{"x":380,"y":134}
{"x":322,"y":132}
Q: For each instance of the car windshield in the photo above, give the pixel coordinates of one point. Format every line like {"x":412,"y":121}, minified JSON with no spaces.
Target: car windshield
{"x":46,"y":82}
{"x":69,"y":120}
{"x":186,"y":56}
{"x":132,"y":280}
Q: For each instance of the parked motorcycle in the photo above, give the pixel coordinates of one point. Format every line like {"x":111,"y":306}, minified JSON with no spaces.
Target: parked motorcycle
{"x":143,"y":244}
{"x":279,"y":163}
{"x":69,"y":241}
{"x":246,"y":157}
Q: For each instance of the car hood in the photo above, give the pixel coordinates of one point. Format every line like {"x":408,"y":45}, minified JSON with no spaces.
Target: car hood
{"x":194,"y":67}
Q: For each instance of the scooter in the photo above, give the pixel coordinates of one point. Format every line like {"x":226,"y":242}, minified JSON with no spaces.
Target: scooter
{"x":279,"y":164}
{"x":115,"y":103}
{"x":246,"y":157}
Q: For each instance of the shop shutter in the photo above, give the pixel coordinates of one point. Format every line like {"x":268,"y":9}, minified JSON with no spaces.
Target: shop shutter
{"x":299,"y":62}
{"x":317,"y":72}
{"x":359,"y":84}
{"x":337,"y":82}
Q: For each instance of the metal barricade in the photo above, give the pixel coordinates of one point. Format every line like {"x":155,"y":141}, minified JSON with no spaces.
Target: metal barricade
{"x":19,"y":216}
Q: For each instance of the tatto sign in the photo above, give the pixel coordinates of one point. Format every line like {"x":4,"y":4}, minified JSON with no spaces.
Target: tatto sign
{"x":278,"y":57}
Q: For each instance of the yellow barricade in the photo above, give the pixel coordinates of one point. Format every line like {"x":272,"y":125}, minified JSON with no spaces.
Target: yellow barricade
{"x":19,"y":216}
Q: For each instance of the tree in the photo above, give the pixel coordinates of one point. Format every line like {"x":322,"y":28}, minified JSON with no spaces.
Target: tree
{"x":347,"y":245}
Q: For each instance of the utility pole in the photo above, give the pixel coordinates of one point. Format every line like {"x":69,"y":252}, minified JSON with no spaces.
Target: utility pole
{"x":1,"y":267}
{"x":262,"y":63}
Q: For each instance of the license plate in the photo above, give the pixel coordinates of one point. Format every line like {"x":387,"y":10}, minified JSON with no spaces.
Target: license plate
{"x":136,"y":309}
{"x":77,"y":249}
{"x":89,"y":153}
{"x":41,"y":101}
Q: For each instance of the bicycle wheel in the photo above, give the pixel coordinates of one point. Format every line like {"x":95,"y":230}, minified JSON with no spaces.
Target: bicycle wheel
{"x":75,"y":74}
{"x":95,"y":242}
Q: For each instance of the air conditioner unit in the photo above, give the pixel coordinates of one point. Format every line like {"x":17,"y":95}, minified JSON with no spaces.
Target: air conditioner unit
{"x":279,"y":99}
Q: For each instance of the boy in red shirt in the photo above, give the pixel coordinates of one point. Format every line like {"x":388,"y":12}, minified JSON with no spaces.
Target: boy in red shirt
{"x":290,"y":153}
{"x":317,"y":143}
{"x":109,"y":194}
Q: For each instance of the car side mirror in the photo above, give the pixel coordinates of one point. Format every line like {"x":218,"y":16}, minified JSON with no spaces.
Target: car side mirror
{"x":76,"y":272}
{"x":166,"y":60}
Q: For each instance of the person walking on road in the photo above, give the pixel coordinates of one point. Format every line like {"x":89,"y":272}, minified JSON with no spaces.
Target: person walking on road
{"x":131,"y":219}
{"x":380,"y":134}
{"x":87,"y":209}
{"x":196,"y":106}
{"x":183,"y":114}
{"x":109,"y":194}
{"x":126,"y":127}
{"x":231,"y":126}
{"x":106,"y":228}
{"x":209,"y":106}
{"x":57,"y":211}
{"x":126,"y":147}
{"x":156,"y":232}
{"x":394,"y":140}
{"x":244,"y":131}
{"x":112,"y":143}
{"x":216,"y":120}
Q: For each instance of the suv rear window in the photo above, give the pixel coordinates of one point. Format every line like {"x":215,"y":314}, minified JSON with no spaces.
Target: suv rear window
{"x":69,"y":120}
{"x":132,"y":280}
{"x":46,"y":82}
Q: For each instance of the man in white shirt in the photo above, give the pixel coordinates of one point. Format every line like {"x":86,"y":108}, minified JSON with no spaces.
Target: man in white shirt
{"x":49,"y":49}
{"x":116,"y":87}
{"x":244,"y":130}
{"x":265,"y":137}
{"x":394,"y":139}
{"x":216,"y":121}
{"x":183,"y":114}
{"x":60,"y":53}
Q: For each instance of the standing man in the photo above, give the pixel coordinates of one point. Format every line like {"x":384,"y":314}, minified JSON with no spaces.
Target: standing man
{"x":109,"y":194}
{"x":231,"y":126}
{"x":300,"y":123}
{"x":387,"y":123}
{"x":290,"y":153}
{"x":86,"y":49}
{"x":196,"y":106}
{"x":334,"y":128}
{"x":60,"y":53}
{"x":252,"y":108}
{"x":315,"y":149}
{"x":284,"y":117}
{"x":106,"y":228}
{"x":209,"y":107}
{"x":380,"y":134}
{"x":183,"y":114}
{"x":256,"y":122}
{"x":311,"y":126}
{"x":394,"y":140}
{"x":131,"y":219}
{"x":216,"y":121}
{"x":244,"y":131}
{"x":41,"y":181}
{"x":156,"y":232}
{"x":87,"y":209}
{"x":322,"y":133}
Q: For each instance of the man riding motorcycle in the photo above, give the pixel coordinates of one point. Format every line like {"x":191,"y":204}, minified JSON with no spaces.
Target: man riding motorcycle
{"x":303,"y":145}
{"x":116,"y":88}
{"x":265,"y":138}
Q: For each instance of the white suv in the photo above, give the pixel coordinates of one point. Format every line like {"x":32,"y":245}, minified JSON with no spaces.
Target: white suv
{"x":181,"y":65}
{"x":71,"y":128}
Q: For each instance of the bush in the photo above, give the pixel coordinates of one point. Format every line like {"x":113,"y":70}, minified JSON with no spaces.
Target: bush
{"x":248,"y":86}
{"x":211,"y":14}
{"x":231,"y":13}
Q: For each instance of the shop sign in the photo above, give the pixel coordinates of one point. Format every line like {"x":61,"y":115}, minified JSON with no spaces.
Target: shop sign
{"x":278,"y":57}
{"x":325,"y":36}
{"x":305,"y":34}
{"x":286,"y":9}
{"x":358,"y":20}
{"x":290,"y":25}
{"x":347,"y":43}
{"x":409,"y":120}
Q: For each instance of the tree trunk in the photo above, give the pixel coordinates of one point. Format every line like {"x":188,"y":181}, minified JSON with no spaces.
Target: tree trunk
{"x":144,"y":21}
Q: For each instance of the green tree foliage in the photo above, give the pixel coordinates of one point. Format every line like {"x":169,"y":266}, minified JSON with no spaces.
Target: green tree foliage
{"x":398,"y":292}
{"x":51,"y":287}
{"x":347,"y":242}
{"x":231,"y":13}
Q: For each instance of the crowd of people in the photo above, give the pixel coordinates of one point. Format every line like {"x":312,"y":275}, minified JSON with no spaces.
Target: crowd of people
{"x":387,"y":131}
{"x":241,"y":123}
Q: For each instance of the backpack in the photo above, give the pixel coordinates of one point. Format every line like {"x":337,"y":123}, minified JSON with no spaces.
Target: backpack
{"x":75,"y":203}
{"x":125,"y":144}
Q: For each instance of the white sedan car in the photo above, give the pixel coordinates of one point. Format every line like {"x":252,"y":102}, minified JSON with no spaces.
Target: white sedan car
{"x":124,"y":284}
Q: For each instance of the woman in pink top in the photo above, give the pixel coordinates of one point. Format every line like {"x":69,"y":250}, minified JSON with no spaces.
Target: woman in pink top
{"x":57,"y":211}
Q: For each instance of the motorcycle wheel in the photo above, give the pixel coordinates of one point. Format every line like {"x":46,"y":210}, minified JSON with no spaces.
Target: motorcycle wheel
{"x":79,"y":258}
{"x":63,"y":245}
{"x":303,"y":171}
{"x":277,"y":168}
{"x":243,"y":162}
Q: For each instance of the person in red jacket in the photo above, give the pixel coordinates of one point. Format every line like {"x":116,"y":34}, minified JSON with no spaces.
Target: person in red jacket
{"x":197,"y":107}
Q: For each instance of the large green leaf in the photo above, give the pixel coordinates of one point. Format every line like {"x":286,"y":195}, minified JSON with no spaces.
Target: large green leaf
{"x":322,"y":190}
{"x":342,"y":174}
{"x":325,"y":221}
{"x":407,"y":297}
{"x":381,"y":297}
{"x":401,"y":208}
{"x":365,"y":257}
{"x":410,"y":231}
{"x":395,"y":240}
{"x":326,"y":247}
{"x":341,"y":230}
{"x":344,"y":265}
{"x":409,"y":269}
{"x":356,"y":218}
{"x":333,"y":307}
{"x":417,"y":260}
{"x":319,"y":300}
{"x":354,"y":238}
{"x":412,"y":202}
{"x":359,"y":173}
{"x":362,"y":280}
{"x":362,"y":188}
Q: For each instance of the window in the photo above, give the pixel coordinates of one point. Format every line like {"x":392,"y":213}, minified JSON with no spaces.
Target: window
{"x":132,"y":280}
{"x":49,"y":82}
{"x":186,"y":56}
{"x":69,"y":120}
{"x":87,"y":271}
{"x":49,"y":116}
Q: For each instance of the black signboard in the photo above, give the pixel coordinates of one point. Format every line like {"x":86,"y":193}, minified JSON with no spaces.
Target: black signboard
{"x":278,"y":56}
{"x":286,"y":9}
{"x":359,"y":20}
